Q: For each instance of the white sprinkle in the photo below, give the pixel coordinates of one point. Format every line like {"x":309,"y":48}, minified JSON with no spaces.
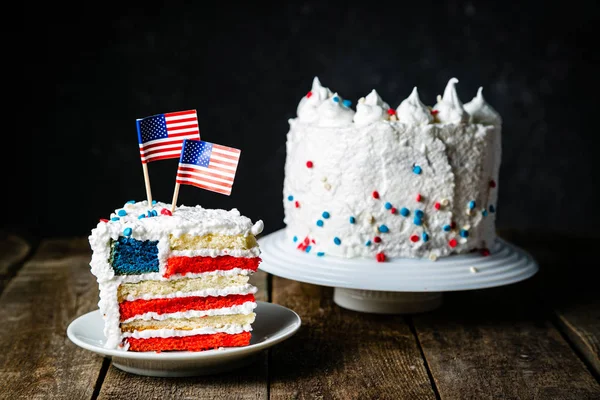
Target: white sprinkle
{"x":445,"y":202}
{"x":324,"y":179}
{"x":474,"y":270}
{"x":432,"y":257}
{"x":327,"y":186}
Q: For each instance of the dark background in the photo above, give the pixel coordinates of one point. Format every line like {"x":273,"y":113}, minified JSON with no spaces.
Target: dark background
{"x":80,"y":80}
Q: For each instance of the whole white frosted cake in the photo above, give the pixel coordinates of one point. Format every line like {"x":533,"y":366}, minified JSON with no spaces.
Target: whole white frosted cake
{"x":380,"y":182}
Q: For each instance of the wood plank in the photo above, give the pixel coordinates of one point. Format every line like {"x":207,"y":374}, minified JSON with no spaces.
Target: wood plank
{"x":248,"y":382}
{"x":498,"y":343}
{"x":13,"y":251}
{"x":37,"y":360}
{"x":341,"y":354}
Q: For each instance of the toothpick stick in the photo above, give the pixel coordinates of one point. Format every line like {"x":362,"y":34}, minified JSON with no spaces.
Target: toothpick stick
{"x":147,"y":182}
{"x":175,"y":195}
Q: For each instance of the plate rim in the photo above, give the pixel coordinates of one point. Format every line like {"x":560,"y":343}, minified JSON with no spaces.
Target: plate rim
{"x":188,"y":355}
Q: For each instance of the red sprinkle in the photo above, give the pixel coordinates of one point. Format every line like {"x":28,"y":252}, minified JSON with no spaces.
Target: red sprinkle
{"x":419,"y":197}
{"x":391,"y":111}
{"x":434,"y":112}
{"x":297,"y":204}
{"x":393,"y":210}
{"x":103,"y":220}
{"x":313,"y":241}
{"x":452,"y":243}
{"x":375,"y":194}
{"x":492,"y":183}
{"x":377,"y":239}
{"x":414,"y":238}
{"x":309,"y":164}
{"x":485,"y":252}
{"x":308,"y":95}
{"x":437,"y":206}
{"x":380,"y":257}
{"x":165,"y":211}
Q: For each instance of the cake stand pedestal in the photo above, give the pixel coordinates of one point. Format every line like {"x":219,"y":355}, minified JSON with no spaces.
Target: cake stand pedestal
{"x":399,"y":285}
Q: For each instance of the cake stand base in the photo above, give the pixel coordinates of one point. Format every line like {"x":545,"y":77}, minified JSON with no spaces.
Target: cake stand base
{"x":381,"y":302}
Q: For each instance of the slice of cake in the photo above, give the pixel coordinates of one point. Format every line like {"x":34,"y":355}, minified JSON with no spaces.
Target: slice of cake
{"x":382,"y":182}
{"x":175,"y":281}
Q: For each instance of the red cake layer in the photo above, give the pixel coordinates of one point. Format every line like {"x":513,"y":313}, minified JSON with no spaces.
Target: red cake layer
{"x":183,"y":265}
{"x":129,"y":309}
{"x":190,"y":343}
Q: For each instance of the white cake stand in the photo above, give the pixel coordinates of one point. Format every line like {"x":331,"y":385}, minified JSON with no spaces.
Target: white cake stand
{"x":397,"y":286}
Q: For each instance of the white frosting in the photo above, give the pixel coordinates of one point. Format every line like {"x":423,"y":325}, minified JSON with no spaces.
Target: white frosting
{"x":481,"y":112}
{"x":231,"y":329}
{"x":185,"y":220}
{"x":449,"y":107}
{"x":412,"y":111}
{"x":242,"y":289}
{"x":307,"y":108}
{"x":371,"y":109}
{"x":333,"y":112}
{"x":244,"y":309}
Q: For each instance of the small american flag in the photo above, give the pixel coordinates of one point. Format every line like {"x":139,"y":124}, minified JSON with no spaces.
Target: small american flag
{"x":208,"y":166}
{"x":161,"y":136}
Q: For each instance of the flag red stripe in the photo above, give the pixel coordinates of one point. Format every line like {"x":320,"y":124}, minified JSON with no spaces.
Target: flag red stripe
{"x":227,"y":156}
{"x":212,"y":189}
{"x":166,"y":146}
{"x":177,"y":113}
{"x":210,"y":166}
{"x":158,"y":158}
{"x":183,"y":170}
{"x":193,"y":120}
{"x":218,"y":146}
{"x":182,"y":134}
{"x":205,"y":179}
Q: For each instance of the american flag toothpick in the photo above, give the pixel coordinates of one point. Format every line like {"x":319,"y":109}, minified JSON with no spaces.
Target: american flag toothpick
{"x":161,"y":137}
{"x":206,"y":165}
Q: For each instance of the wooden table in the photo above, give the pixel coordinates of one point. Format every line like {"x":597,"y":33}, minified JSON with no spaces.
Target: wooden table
{"x":537,"y":339}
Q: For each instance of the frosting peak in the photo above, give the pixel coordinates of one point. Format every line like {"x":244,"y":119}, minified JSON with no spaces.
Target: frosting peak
{"x":481,"y":112}
{"x":449,"y":107}
{"x":335,"y":112}
{"x":370,"y":109}
{"x":307,"y":108}
{"x":413,"y":111}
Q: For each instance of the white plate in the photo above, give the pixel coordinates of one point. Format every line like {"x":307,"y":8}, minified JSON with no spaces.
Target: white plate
{"x":273,"y":324}
{"x":398,"y":285}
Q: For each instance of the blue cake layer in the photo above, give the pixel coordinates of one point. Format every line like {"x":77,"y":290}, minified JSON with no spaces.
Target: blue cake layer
{"x":133,"y":257}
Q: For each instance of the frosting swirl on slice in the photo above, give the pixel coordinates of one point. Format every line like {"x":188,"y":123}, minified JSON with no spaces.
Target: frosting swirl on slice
{"x":334,"y":112}
{"x":307,"y":108}
{"x":449,"y":107}
{"x":371,"y":109}
{"x":413,"y":111}
{"x":481,"y":112}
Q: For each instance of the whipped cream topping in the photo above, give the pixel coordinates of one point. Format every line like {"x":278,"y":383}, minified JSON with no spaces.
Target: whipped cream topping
{"x":481,"y":112}
{"x":371,"y":109}
{"x":334,"y":113}
{"x":307,"y":108}
{"x":449,"y":107}
{"x":413,"y":111}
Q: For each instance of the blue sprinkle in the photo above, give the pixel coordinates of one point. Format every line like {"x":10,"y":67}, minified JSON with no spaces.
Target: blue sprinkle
{"x":320,"y":254}
{"x":464,"y":233}
{"x":153,"y":202}
{"x":368,"y":243}
{"x":352,"y":220}
{"x":425,"y":236}
{"x":336,"y":99}
{"x":149,"y":214}
{"x":347,"y":103}
{"x":417,"y":170}
{"x":337,"y":241}
{"x":388,"y":206}
{"x":319,"y":222}
{"x":308,"y":249}
{"x":383,"y":229}
{"x":447,"y":228}
{"x":472,"y":204}
{"x":295,"y":238}
{"x":154,"y":213}
{"x":290,"y":197}
{"x":127,"y":231}
{"x":484,"y":213}
{"x":122,"y":213}
{"x":492,"y":208}
{"x":419,"y":213}
{"x":115,"y":218}
{"x":325,"y":214}
{"x":404,"y":212}
{"x":418,"y":221}
{"x":131,"y":202}
{"x":142,"y":216}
